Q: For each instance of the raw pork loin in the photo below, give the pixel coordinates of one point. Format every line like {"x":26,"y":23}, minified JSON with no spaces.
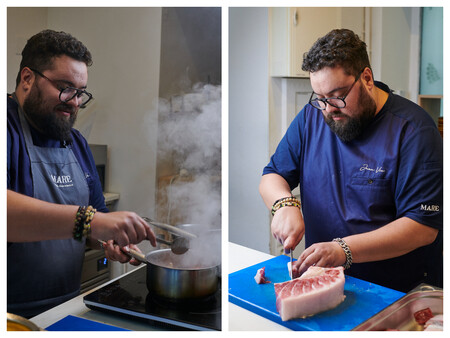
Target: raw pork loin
{"x":435,"y":324}
{"x":260,"y":276}
{"x":317,"y":290}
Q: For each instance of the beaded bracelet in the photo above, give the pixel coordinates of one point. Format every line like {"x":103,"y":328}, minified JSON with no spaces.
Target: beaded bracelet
{"x":347,"y":251}
{"x":83,"y":220}
{"x":285,"y":202}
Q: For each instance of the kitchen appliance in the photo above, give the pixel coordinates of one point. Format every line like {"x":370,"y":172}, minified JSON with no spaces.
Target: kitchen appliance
{"x":128,"y":296}
{"x":363,"y":299}
{"x":96,"y":267}
{"x":100,"y":153}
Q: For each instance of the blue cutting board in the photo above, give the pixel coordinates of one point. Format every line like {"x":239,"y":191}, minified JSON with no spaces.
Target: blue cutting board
{"x":72,"y":323}
{"x":363,"y":299}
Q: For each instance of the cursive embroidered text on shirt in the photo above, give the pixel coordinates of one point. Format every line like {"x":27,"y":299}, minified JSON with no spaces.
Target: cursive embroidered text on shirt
{"x":376,"y":170}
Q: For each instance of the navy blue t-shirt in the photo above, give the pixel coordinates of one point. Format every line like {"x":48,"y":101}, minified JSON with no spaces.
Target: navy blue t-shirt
{"x":394,"y":169}
{"x":19,"y":170}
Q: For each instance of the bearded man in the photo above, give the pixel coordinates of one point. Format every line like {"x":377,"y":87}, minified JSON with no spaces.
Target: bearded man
{"x":55,"y":202}
{"x":369,"y":164}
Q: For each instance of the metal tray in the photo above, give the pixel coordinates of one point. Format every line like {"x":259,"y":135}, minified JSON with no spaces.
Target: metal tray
{"x":400,"y":314}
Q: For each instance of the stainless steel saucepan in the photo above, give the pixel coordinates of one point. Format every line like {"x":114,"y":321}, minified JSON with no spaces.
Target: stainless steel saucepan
{"x":175,"y":277}
{"x":194,"y":274}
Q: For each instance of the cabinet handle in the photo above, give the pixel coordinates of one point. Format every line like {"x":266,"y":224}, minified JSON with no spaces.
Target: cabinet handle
{"x":295,"y":18}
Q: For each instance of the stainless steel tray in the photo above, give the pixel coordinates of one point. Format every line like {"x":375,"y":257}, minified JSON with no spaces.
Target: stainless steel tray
{"x":400,"y":314}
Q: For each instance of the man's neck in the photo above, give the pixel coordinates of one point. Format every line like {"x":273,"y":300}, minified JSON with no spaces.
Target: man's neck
{"x":380,"y":97}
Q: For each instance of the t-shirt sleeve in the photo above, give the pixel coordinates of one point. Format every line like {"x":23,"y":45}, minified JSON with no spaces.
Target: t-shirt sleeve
{"x":419,"y":189}
{"x":286,"y":159}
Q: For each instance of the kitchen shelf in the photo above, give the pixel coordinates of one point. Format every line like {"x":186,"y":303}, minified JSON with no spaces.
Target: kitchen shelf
{"x":110,"y":199}
{"x":433,"y":106}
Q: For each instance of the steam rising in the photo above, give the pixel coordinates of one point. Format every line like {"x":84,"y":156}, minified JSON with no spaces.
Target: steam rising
{"x":191,"y":129}
{"x":190,"y":134}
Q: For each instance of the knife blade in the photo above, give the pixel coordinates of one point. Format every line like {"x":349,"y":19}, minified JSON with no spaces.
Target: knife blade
{"x":291,"y":254}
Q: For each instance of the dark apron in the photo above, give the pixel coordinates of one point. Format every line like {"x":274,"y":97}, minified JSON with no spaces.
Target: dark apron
{"x":44,"y":274}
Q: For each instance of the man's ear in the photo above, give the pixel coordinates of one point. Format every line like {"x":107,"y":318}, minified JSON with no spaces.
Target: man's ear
{"x":367,"y":78}
{"x":27,"y":79}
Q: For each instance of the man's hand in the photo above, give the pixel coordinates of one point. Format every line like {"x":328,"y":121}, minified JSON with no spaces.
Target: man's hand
{"x":114,"y":252}
{"x":287,"y":223}
{"x":123,"y":227}
{"x":325,"y":254}
{"x":288,"y":227}
{"x":30,"y":220}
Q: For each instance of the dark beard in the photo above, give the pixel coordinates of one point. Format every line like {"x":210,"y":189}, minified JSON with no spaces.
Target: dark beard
{"x":354,"y":126}
{"x":46,"y":120}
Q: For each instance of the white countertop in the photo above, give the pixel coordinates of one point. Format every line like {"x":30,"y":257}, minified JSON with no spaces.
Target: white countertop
{"x":239,"y":257}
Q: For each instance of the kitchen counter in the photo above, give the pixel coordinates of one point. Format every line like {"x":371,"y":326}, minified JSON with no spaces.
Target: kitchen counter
{"x":252,"y":307}
{"x":76,"y":307}
{"x":241,"y":319}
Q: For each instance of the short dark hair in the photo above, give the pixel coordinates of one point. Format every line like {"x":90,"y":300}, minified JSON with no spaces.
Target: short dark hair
{"x":339,"y":48}
{"x":42,"y":47}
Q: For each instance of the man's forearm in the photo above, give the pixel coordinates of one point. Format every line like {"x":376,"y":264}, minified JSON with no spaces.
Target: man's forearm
{"x":273,"y":187}
{"x":392,"y":240}
{"x":30,"y":219}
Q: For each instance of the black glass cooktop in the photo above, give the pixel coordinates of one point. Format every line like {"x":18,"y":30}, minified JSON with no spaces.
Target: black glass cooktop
{"x":130,"y":297}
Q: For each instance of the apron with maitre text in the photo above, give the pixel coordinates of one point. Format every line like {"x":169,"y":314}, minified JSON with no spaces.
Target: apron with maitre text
{"x":44,"y":274}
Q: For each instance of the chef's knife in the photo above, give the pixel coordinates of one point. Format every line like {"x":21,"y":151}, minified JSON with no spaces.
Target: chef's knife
{"x":290,"y":272}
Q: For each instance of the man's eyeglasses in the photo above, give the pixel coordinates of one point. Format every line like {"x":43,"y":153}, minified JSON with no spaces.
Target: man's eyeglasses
{"x":337,"y":102}
{"x":68,"y":93}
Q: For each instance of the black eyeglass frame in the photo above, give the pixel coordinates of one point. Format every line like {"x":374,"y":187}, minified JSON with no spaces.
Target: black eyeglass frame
{"x":78,"y":91}
{"x":342,"y":98}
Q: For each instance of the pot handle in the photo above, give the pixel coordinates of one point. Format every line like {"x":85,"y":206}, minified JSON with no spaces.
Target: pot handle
{"x":131,"y":252}
{"x":137,"y":255}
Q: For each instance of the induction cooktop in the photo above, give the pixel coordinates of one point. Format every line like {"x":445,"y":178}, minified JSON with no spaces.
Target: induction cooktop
{"x":129,"y":296}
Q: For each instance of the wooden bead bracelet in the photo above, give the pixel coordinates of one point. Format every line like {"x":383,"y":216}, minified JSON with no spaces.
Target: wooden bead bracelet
{"x":83,"y":221}
{"x":290,"y":201}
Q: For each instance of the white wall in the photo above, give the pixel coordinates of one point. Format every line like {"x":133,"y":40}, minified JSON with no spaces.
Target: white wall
{"x":394,"y":40}
{"x":124,"y":79}
{"x":248,"y":125}
{"x":22,"y":24}
{"x":395,"y":48}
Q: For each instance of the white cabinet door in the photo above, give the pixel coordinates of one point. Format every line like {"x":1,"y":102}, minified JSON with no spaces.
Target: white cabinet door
{"x":309,"y":24}
{"x":294,"y":30}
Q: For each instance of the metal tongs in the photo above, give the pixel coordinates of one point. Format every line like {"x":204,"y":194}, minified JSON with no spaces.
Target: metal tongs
{"x":179,"y":244}
{"x":170,"y":228}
